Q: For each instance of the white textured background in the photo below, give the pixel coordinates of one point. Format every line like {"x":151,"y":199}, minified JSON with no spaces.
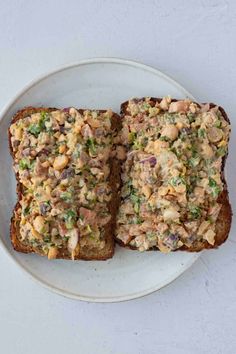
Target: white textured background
{"x":192,"y":41}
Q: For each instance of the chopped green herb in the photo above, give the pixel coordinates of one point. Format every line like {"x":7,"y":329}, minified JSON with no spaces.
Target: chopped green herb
{"x":24,"y":164}
{"x":218,"y":124}
{"x":34,"y":242}
{"x":194,"y":151}
{"x":153,"y":111}
{"x":221,"y":151}
{"x":77,"y":151}
{"x":201,"y":133}
{"x":170,"y":118}
{"x":215,"y":189}
{"x":176,"y":152}
{"x":164,"y":138}
{"x":137,"y":220}
{"x":137,"y":207}
{"x":176,"y":181}
{"x":136,"y":201}
{"x":132,"y":136}
{"x":212,"y":171}
{"x":134,"y":198}
{"x":151,"y":235}
{"x":182,"y":136}
{"x":47,"y":239}
{"x":91,"y":146}
{"x":36,"y":128}
{"x":65,"y":238}
{"x":146,"y":106}
{"x":26,"y":211}
{"x":195,"y":212}
{"x":66,"y":196}
{"x":212,"y":182}
{"x":70,"y":218}
{"x":193,"y":161}
{"x":219,"y":115}
{"x":191,"y":117}
{"x":44,"y":117}
{"x":137,"y":144}
{"x":70,"y":214}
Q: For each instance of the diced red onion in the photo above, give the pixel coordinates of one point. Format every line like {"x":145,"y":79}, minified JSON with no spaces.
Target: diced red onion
{"x":151,"y":159}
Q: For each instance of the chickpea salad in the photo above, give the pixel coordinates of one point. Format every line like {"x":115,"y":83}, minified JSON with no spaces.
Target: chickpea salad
{"x":62,"y":160}
{"x":172,"y":176}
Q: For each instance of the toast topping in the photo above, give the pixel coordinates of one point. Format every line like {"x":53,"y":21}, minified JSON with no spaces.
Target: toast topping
{"x":172,"y":174}
{"x":62,"y":160}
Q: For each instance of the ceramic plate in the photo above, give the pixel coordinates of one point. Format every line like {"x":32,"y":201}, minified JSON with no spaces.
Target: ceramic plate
{"x":93,"y":83}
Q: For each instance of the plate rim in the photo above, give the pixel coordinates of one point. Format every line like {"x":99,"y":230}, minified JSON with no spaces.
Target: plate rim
{"x":7,"y":107}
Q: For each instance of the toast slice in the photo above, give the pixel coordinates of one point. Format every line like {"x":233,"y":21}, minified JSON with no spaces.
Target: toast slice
{"x":174,"y":194}
{"x":66,"y":182}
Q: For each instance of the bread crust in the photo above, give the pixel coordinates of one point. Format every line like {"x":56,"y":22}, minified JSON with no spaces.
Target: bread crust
{"x":85,"y":253}
{"x":223,"y":223}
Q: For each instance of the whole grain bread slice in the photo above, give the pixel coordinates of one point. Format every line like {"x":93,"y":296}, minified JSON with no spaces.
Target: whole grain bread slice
{"x":223,"y":223}
{"x":85,"y":253}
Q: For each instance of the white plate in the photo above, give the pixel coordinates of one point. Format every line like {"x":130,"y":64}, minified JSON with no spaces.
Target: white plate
{"x":94,"y":83}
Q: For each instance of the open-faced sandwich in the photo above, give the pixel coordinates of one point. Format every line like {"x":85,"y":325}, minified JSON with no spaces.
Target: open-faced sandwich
{"x":174,"y":193}
{"x":66,"y":182}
